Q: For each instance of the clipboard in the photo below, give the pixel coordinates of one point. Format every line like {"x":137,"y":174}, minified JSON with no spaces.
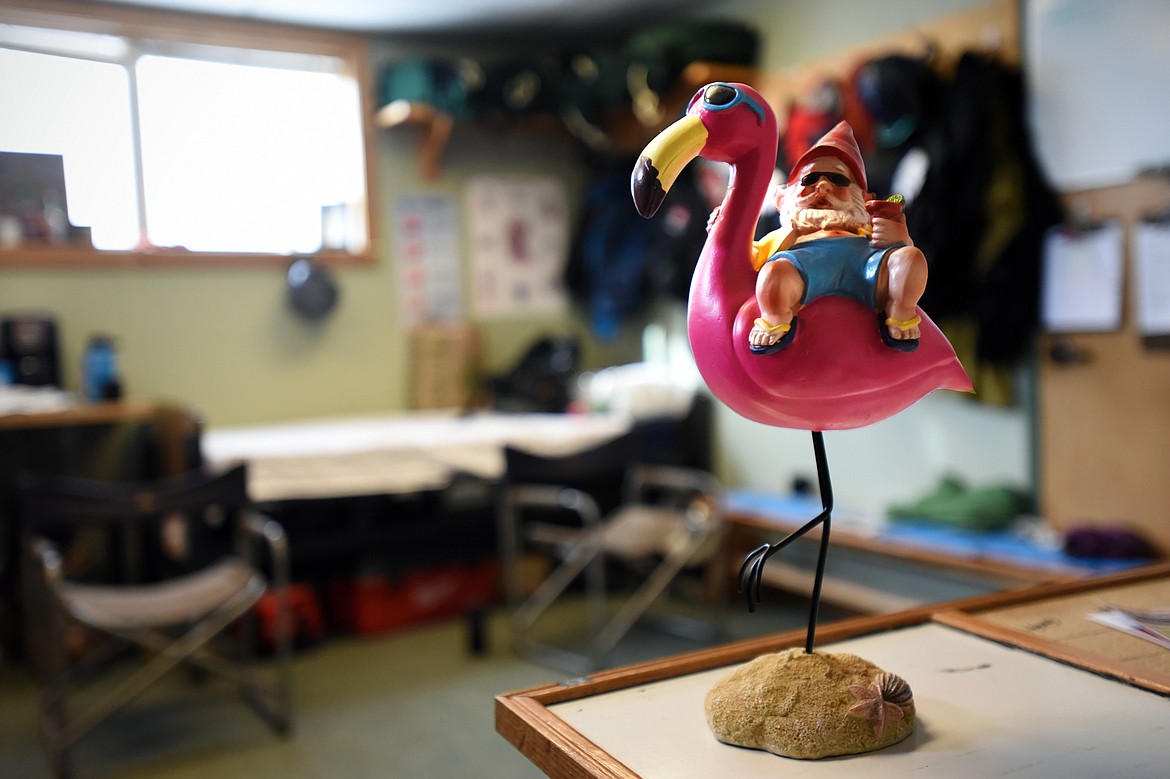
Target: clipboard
{"x":1151,"y":279}
{"x":1083,"y":272}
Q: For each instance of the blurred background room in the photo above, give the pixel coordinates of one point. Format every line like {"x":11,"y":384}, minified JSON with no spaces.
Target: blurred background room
{"x":381,"y":252}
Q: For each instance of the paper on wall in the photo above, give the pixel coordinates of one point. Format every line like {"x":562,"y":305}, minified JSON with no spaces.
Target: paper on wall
{"x":519,"y":233}
{"x":426,"y":232}
{"x":1083,"y":273}
{"x":1151,"y":281}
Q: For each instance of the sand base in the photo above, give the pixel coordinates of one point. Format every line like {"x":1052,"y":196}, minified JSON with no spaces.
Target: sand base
{"x":797,"y":705}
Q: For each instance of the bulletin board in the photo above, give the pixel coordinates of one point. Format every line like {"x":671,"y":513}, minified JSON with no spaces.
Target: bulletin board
{"x":1102,"y":415}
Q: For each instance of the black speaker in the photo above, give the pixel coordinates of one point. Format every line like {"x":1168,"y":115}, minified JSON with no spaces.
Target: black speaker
{"x":30,"y":346}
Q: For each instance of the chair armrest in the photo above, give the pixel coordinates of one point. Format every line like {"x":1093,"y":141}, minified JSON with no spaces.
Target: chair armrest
{"x":275,"y":539}
{"x":535,"y":496}
{"x":48,"y":558}
{"x":45,"y":615}
{"x":674,"y":478}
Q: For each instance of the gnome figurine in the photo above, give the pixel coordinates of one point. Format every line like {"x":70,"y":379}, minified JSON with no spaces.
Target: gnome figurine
{"x":835,"y":239}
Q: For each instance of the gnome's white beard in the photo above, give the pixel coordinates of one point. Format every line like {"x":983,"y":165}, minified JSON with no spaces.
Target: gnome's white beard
{"x":850,"y":216}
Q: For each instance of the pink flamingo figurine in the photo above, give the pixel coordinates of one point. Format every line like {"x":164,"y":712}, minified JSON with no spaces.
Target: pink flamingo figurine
{"x":836,"y":373}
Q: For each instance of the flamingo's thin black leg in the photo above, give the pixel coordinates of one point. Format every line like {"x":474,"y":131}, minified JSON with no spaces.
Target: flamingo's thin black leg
{"x":752,"y":571}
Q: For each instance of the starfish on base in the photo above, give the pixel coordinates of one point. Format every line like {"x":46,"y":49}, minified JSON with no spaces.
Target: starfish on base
{"x":871,"y":706}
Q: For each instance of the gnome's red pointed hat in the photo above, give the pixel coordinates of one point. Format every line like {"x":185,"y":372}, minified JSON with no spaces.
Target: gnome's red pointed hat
{"x":838,"y":142}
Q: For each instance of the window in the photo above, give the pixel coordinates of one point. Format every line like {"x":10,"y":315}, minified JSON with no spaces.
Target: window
{"x":166,"y":143}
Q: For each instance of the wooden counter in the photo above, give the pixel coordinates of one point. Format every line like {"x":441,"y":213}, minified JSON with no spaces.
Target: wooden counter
{"x":81,"y":415}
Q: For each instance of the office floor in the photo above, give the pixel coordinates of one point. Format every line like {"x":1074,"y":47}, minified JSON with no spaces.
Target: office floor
{"x":412,"y":704}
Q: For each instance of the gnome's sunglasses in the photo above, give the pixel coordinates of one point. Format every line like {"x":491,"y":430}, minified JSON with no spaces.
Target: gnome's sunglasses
{"x":839,"y":179}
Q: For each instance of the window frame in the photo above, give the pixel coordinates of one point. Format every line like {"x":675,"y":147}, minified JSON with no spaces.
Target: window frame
{"x":180,"y":27}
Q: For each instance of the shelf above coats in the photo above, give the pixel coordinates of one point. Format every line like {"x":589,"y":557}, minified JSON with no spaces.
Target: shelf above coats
{"x":627,"y":129}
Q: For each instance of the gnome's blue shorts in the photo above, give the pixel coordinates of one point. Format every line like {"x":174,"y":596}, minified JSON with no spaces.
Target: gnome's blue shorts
{"x":846,"y":266}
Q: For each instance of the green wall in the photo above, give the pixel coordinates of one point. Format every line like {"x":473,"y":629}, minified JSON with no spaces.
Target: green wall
{"x":223,"y":340}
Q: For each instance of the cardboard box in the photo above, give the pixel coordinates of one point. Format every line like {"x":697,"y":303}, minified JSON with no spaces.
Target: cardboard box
{"x":445,"y":366}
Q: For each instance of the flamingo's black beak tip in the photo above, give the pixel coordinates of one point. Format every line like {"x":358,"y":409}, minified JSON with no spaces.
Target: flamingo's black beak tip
{"x":646,"y":189}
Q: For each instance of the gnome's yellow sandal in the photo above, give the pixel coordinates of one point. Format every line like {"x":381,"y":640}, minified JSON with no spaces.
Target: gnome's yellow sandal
{"x":901,"y":345}
{"x":787,"y":332}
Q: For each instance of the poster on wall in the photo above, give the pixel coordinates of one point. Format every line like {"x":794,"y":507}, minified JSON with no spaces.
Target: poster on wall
{"x":426,"y":230}
{"x":519,"y":234}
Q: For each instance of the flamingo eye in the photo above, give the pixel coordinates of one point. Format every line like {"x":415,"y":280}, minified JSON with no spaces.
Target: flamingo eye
{"x":719,"y":95}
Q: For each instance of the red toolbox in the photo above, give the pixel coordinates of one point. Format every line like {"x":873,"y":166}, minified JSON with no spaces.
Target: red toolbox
{"x":374,"y":603}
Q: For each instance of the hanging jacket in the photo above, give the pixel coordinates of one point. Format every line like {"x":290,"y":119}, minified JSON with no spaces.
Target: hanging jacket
{"x":621,"y":262}
{"x":982,"y":212}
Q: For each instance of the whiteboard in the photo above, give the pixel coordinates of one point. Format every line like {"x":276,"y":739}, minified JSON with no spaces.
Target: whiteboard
{"x":1098,"y":77}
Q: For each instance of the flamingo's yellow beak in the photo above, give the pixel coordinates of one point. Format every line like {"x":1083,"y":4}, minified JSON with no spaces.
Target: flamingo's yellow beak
{"x":662,"y":160}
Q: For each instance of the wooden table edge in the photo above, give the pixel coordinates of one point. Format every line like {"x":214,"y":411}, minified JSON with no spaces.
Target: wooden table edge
{"x":523,"y":719}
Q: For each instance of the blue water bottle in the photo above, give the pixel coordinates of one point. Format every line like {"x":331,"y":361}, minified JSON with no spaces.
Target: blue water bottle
{"x":101,"y":370}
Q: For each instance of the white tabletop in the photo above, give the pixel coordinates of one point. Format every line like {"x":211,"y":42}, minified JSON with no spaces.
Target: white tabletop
{"x":983,"y":710}
{"x":396,"y":453}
